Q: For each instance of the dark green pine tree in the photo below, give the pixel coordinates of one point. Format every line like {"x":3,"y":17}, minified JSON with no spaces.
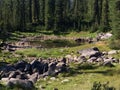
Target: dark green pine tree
{"x":42,"y":12}
{"x":105,"y":16}
{"x":35,"y":11}
{"x":115,"y":41}
{"x":79,"y":13}
{"x":96,"y":18}
{"x":59,"y":8}
{"x":22,"y":15}
{"x":98,"y":11}
{"x":49,"y":14}
{"x":66,"y":14}
{"x":116,"y":28}
{"x":30,"y":10}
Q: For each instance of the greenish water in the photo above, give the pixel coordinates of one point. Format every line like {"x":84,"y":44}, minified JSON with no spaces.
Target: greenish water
{"x":54,"y":43}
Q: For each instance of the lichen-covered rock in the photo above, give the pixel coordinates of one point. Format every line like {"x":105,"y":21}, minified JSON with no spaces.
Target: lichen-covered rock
{"x":21,"y":83}
{"x":90,"y":52}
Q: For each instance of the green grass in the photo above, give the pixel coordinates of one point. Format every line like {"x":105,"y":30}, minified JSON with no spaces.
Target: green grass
{"x":84,"y":79}
{"x":116,"y":55}
{"x":80,"y":77}
{"x":61,"y":52}
{"x":45,"y":53}
{"x":8,"y":57}
{"x":81,"y":34}
{"x":18,"y":35}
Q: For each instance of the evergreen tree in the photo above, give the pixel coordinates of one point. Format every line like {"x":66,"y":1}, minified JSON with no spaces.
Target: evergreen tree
{"x":117,"y":20}
{"x":105,"y":16}
{"x":96,"y":12}
{"x":22,"y":15}
{"x":79,"y":12}
{"x":115,"y":41}
{"x":57,"y":15}
{"x":30,"y":11}
{"x":58,"y":25}
{"x":35,"y":11}
{"x":49,"y":14}
{"x":42,"y":12}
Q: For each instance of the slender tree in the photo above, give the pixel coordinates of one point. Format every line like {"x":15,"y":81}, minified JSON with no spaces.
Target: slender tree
{"x":59,"y":8}
{"x":49,"y":14}
{"x":42,"y":12}
{"x":117,"y":20}
{"x":105,"y":16}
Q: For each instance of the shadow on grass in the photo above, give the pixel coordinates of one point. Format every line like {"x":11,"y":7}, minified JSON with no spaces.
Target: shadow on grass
{"x":79,"y":68}
{"x":91,"y":68}
{"x":13,"y":37}
{"x":108,"y":72}
{"x":3,"y":87}
{"x":87,"y":66}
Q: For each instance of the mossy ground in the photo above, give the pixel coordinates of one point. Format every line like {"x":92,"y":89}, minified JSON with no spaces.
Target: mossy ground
{"x":83,"y":79}
{"x":79,"y":78}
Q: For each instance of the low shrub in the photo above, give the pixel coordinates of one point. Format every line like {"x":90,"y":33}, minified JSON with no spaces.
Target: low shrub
{"x":114,"y":44}
{"x":100,"y":86}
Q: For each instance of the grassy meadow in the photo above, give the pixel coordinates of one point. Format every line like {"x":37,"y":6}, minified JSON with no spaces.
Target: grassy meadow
{"x":79,"y":77}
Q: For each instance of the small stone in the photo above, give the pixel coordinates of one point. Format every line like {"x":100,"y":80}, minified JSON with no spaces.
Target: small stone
{"x":65,"y":80}
{"x":52,"y":78}
{"x":112,"y":52}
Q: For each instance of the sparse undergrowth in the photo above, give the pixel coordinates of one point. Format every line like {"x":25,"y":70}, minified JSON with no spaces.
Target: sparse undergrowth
{"x":9,"y":57}
{"x":83,"y":79}
{"x":2,"y":87}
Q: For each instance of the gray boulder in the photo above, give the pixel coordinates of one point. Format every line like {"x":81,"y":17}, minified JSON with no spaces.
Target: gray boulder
{"x":64,"y":60}
{"x":82,"y":59}
{"x":5,"y":71}
{"x":104,"y":53}
{"x":69,"y":58}
{"x":90,"y":52}
{"x":100,"y":59}
{"x":61,"y":67}
{"x":21,"y":83}
{"x":112,"y":52}
{"x":28,"y":68}
{"x":39,"y":66}
{"x":108,"y":64}
{"x":13,"y":74}
{"x":33,"y":78}
{"x":35,"y":65}
{"x":22,"y":76}
{"x":106,"y":36}
{"x":51,"y":69}
{"x":92,"y":59}
{"x":115,"y":60}
{"x":20,"y":65}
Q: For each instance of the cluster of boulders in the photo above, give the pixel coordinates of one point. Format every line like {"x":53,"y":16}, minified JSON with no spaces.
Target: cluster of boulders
{"x":94,"y":55}
{"x":25,"y":42}
{"x":11,"y":47}
{"x":85,"y":40}
{"x":100,"y":36}
{"x":25,"y":74}
{"x":103,"y":36}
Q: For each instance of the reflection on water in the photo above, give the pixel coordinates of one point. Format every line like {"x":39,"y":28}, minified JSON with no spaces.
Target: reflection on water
{"x":54,"y":43}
